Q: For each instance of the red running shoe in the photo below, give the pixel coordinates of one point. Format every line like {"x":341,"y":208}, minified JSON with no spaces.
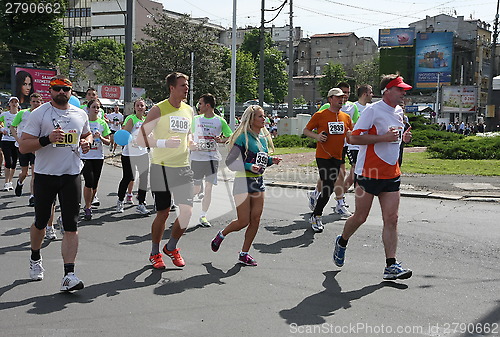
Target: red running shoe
{"x":175,"y":256}
{"x":157,"y":261}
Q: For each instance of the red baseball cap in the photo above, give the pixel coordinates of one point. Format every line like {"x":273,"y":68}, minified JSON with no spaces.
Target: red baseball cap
{"x":397,"y":82}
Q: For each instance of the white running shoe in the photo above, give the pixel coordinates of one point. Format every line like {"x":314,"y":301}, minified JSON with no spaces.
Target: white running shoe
{"x":50,"y":233}
{"x":6,"y":186}
{"x":96,"y":201}
{"x":70,"y":282}
{"x":129,"y":199}
{"x":36,"y":270}
{"x":342,"y":211}
{"x":141,"y":209}
{"x":312,"y":198}
{"x":11,"y":187}
{"x":119,"y":206}
{"x":316,"y":223}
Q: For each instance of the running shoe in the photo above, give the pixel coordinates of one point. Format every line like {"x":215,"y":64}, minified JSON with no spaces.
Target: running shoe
{"x":19,"y":189}
{"x":396,"y":271}
{"x":141,"y":209}
{"x":31,"y":201}
{"x":204,"y":222}
{"x":60,"y":224}
{"x":11,"y":187}
{"x":157,"y":261}
{"x":312,"y":198}
{"x":96,"y":201}
{"x":173,"y":207}
{"x":87,"y":214}
{"x":338,"y":253}
{"x":70,"y":282}
{"x":215,"y":244}
{"x":36,"y":270}
{"x":342,"y":211}
{"x":175,"y":256}
{"x":247,"y":260}
{"x":119,"y":206}
{"x":129,"y":199}
{"x":6,"y":187}
{"x":316,"y":223}
{"x":50,"y":233}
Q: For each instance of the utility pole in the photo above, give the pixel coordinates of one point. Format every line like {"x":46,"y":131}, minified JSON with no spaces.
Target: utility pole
{"x":490,"y":107}
{"x":261,"y":63}
{"x":436,"y":109}
{"x":232,"y":95}
{"x":291,"y":63}
{"x":129,"y":58}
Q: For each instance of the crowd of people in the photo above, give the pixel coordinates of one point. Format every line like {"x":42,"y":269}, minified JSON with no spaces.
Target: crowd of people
{"x":177,"y":152}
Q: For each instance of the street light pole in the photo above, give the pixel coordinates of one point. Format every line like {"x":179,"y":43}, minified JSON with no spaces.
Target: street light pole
{"x":490,"y":107}
{"x":261,"y":63}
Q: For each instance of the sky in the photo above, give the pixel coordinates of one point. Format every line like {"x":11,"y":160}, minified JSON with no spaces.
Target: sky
{"x":364,"y":18}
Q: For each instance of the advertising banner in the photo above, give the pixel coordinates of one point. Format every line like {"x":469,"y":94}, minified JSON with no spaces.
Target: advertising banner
{"x":396,"y":37}
{"x":459,"y":98}
{"x":118,"y":92}
{"x":26,"y":81}
{"x":433,"y":56}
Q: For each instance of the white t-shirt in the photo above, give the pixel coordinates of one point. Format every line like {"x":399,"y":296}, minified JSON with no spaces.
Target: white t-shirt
{"x":204,"y":132}
{"x":379,"y":160}
{"x":115,"y":120}
{"x":361,"y":108}
{"x":96,"y":150}
{"x":132,"y":149}
{"x":61,"y":158}
{"x":6,"y":117}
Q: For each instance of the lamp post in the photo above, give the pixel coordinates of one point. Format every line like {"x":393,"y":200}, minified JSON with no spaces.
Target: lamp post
{"x":71,"y":35}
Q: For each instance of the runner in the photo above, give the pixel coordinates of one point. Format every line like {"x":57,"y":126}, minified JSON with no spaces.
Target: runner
{"x":8,"y":142}
{"x":115,"y":121}
{"x":134,"y":157}
{"x":25,"y":160}
{"x":55,"y":132}
{"x":249,"y":157}
{"x":207,"y":129}
{"x":167,"y":130}
{"x":332,"y":126}
{"x":379,"y":132}
{"x":94,"y":159}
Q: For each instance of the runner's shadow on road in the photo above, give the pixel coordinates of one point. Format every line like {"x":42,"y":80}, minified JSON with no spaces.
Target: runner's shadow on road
{"x":57,"y":302}
{"x":314,"y":309}
{"x":23,"y":247}
{"x":302,"y":241}
{"x":213,"y":276}
{"x":16,"y":231}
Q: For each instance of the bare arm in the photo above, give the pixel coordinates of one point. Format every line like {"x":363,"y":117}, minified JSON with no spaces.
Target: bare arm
{"x":318,"y":137}
{"x":389,"y":136}
{"x":145,"y":137}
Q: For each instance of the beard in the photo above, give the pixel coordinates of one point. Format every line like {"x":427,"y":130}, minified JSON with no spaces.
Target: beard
{"x":60,"y":99}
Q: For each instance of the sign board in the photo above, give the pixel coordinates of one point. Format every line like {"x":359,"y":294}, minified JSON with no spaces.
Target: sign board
{"x":433,"y":58}
{"x":459,"y":98}
{"x":118,"y":92}
{"x":396,"y":37}
{"x":26,"y":80}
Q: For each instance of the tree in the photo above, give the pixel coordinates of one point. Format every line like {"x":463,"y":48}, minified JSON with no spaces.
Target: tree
{"x":275,"y":76}
{"x":334,"y":73}
{"x":30,"y":37}
{"x":168,"y":48}
{"x":368,"y":73}
{"x":111,"y":57}
{"x":246,"y":83}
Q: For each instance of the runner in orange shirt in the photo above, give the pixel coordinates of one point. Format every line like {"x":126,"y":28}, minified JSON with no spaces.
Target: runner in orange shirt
{"x":332,"y":126}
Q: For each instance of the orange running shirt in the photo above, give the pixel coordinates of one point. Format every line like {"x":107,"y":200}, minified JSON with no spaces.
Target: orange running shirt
{"x":336,"y":126}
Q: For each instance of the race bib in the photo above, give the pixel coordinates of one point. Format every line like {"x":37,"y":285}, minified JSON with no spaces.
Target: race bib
{"x":400,"y":130}
{"x":336,"y":128}
{"x":179,"y":124}
{"x":70,"y":138}
{"x":207,"y":145}
{"x":261,"y":159}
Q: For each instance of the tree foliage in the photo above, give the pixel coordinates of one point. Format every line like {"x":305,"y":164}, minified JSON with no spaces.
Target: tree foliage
{"x":111,"y":57}
{"x":251,"y":42}
{"x":168,"y":48}
{"x":368,"y":73}
{"x":334,"y":73}
{"x":246,"y":85}
{"x":30,"y":37}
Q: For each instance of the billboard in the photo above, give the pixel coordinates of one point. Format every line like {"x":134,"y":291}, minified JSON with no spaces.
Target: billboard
{"x":118,"y":92}
{"x":26,"y":81}
{"x":433,"y":56}
{"x":396,"y":37}
{"x":459,"y":98}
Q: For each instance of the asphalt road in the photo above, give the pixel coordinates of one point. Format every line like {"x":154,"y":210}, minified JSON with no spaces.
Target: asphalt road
{"x":452,"y":247}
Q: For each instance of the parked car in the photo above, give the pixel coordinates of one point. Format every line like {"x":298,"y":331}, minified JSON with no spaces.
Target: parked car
{"x":256,"y":102}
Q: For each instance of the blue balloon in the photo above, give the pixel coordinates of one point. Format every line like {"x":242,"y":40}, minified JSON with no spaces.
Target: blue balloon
{"x":74,"y":101}
{"x":122,"y":137}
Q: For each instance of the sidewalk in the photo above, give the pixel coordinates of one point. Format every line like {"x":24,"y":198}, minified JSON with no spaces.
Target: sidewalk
{"x":294,"y":172}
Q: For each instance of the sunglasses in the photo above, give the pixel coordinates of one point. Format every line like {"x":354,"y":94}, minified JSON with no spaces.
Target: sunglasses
{"x":58,"y":88}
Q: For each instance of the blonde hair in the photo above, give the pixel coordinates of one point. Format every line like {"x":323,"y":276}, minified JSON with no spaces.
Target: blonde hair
{"x":245,"y":127}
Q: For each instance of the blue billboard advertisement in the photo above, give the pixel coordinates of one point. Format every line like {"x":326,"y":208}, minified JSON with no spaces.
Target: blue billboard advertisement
{"x":433,"y":57}
{"x":396,"y":37}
